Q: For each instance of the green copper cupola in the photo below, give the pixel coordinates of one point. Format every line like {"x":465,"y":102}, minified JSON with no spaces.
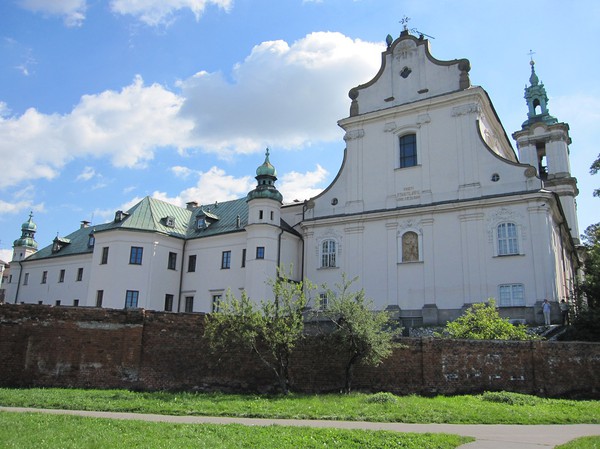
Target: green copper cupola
{"x":537,"y":101}
{"x":266,"y":175}
{"x":27,"y":239}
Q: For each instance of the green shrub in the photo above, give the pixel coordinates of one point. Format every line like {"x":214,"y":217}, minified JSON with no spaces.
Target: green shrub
{"x":482,"y":321}
{"x":506,"y":397}
{"x":382,"y":398}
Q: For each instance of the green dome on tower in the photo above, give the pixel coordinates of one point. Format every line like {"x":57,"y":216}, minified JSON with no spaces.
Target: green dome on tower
{"x":27,"y":234}
{"x":266,"y":175}
{"x":266,"y":169}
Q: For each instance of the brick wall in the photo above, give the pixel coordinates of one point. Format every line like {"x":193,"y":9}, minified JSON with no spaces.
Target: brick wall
{"x":87,"y":347}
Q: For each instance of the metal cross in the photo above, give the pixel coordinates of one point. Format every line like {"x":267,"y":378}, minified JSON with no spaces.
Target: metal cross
{"x":404,"y":22}
{"x":531,"y":53}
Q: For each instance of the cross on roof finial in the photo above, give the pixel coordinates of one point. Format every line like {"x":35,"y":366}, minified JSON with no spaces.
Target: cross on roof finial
{"x":531,"y":53}
{"x":404,"y":22}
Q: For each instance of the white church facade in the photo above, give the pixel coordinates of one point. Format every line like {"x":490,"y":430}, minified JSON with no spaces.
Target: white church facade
{"x":432,"y":210}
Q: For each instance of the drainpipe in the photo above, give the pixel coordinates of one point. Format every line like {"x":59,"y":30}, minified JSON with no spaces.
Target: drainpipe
{"x":19,"y":281}
{"x":181,"y":276}
{"x":279,"y":248}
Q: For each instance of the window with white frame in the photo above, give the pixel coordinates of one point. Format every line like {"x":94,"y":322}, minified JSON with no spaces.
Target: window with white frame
{"x":328,"y":253}
{"x":216,"y":303}
{"x":323,"y":301}
{"x":511,"y":295}
{"x":508,"y":242}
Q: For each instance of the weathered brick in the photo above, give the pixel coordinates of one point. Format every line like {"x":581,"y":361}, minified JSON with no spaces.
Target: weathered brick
{"x":101,"y":348}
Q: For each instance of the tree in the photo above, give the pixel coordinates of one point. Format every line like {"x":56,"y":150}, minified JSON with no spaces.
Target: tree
{"x":586,"y":322}
{"x":270,"y":329}
{"x":594,"y":168}
{"x":365,"y":336}
{"x":586,"y":319}
{"x":483,"y":322}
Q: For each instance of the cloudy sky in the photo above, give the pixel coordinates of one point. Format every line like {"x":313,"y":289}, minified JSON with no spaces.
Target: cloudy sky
{"x":103,"y":102}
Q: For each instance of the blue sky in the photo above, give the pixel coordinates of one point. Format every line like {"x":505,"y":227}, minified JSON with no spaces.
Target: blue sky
{"x":103,"y":102}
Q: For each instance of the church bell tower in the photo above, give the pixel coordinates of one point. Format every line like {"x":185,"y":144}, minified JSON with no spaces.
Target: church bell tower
{"x":543,"y":142}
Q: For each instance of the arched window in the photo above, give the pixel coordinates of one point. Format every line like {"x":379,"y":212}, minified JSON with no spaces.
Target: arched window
{"x":410,"y":247}
{"x":508,"y":243}
{"x":328,"y":254}
{"x":408,"y":150}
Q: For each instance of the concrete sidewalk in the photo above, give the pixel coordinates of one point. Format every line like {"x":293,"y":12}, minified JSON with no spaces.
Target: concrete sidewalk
{"x":488,"y":436}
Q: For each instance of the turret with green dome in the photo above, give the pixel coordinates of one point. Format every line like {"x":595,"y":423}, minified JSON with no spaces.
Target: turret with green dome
{"x":536,"y":97}
{"x":266,"y":175}
{"x":27,"y":239}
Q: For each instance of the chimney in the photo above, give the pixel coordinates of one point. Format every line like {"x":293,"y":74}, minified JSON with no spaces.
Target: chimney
{"x":84,"y":224}
{"x":191,"y":205}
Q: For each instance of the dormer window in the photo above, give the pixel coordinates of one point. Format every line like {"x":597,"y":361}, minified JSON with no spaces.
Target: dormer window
{"x":59,"y":243}
{"x":120,"y":216}
{"x":170,"y":222}
{"x":205,"y":218}
{"x":91,"y":240}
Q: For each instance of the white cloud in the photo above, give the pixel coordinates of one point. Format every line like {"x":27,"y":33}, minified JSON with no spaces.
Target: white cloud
{"x":160,"y":12}
{"x":212,"y":185}
{"x":282,"y":96}
{"x":301,"y":186}
{"x":5,"y":255}
{"x":72,"y":11}
{"x":126,"y":127}
{"x":182,"y":172}
{"x":16,"y":207}
{"x":87,"y":174}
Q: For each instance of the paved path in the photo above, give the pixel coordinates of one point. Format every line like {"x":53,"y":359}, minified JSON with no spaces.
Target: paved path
{"x":497,"y":436}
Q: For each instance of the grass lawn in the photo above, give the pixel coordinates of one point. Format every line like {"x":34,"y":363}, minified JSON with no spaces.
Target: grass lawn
{"x":40,"y":431}
{"x":488,"y":408}
{"x":582,"y":443}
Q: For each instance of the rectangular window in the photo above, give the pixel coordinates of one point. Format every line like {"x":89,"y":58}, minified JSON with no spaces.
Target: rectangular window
{"x":61,"y":276}
{"x":272,"y":215}
{"x":26,"y":279}
{"x":172,"y":261}
{"x":243,"y":257}
{"x":44,"y":277}
{"x":75,"y":303}
{"x":79,"y":274}
{"x":226,"y":259}
{"x":189,"y":304}
{"x":131,"y":299}
{"x":328,"y":254}
{"x":57,"y":302}
{"x":260,"y":214}
{"x":99,"y":298}
{"x":260,"y":252}
{"x":168,"y":303}
{"x":104,"y":259}
{"x":323,"y":301}
{"x":511,"y":295}
{"x":408,"y":150}
{"x":508,"y":242}
{"x":192,"y":263}
{"x":135,"y":256}
{"x":216,"y":307}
